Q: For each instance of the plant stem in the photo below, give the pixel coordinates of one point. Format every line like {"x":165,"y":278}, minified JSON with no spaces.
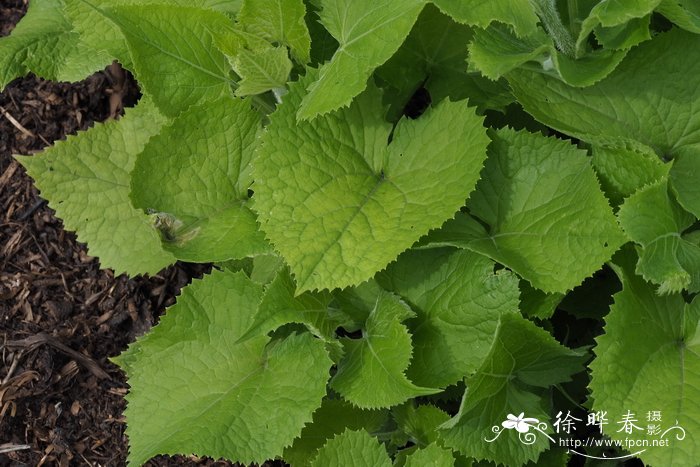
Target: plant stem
{"x":547,"y":11}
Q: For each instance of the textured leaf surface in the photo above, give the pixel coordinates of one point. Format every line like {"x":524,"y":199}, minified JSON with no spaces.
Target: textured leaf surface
{"x":520,"y":14}
{"x":103,"y":38}
{"x":536,"y":304}
{"x":199,"y":186}
{"x":265,"y":268}
{"x":458,"y":301}
{"x":195,"y":390}
{"x":434,"y":57}
{"x":323,"y":45}
{"x":44,"y":43}
{"x":652,"y":218}
{"x":496,"y":51}
{"x":339,"y":204}
{"x":662,"y":375}
{"x":261,"y":70}
{"x":684,"y":13}
{"x":97,"y":32}
{"x":174,"y":53}
{"x":613,"y":13}
{"x":623,"y":169}
{"x":651,"y":100}
{"x":548,"y":219}
{"x":431,"y":456}
{"x":419,"y":423}
{"x":279,"y":306}
{"x":372,"y":371}
{"x":685,"y":174}
{"x":352,"y":448}
{"x":625,"y":35}
{"x":86,"y":180}
{"x":358,"y":302}
{"x":368,"y":33}
{"x":523,"y":356}
{"x":278,"y":21}
{"x":332,"y":418}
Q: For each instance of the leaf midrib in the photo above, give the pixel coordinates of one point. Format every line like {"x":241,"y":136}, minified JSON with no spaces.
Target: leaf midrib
{"x":303,"y":285}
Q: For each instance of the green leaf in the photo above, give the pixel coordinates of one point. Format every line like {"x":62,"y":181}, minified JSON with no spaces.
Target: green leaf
{"x":431,"y":456}
{"x":332,"y":418}
{"x":358,"y":302}
{"x":369,"y":32}
{"x":194,"y":390}
{"x":685,"y":174}
{"x":587,"y":69}
{"x":97,"y":32}
{"x":174,"y":53}
{"x":653,"y":219}
{"x":338,"y":219}
{"x":261,"y":70}
{"x":613,"y":13}
{"x":662,"y":375}
{"x":520,"y":14}
{"x":536,"y":304}
{"x":548,"y":220}
{"x":419,"y":423}
{"x":648,"y":101}
{"x":265,"y":268}
{"x":496,"y":51}
{"x":458,"y":300}
{"x":323,"y":45}
{"x":523,"y":357}
{"x":372,"y":372}
{"x":278,"y":21}
{"x":101,"y":37}
{"x":198,"y":188}
{"x":623,"y":169}
{"x":43,"y":42}
{"x":86,"y":180}
{"x":684,"y":13}
{"x":279,"y":306}
{"x":554,"y":457}
{"x":434,"y":57}
{"x":626,"y":35}
{"x":352,"y":448}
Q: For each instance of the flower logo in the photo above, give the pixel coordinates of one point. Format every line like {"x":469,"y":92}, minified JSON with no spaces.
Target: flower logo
{"x":521,"y":424}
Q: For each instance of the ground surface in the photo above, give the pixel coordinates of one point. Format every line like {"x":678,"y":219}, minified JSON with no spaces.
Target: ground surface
{"x":61,"y":316}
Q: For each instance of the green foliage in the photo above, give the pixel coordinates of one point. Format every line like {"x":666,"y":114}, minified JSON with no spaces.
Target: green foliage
{"x":368,"y":33}
{"x":653,"y":219}
{"x":45,"y":43}
{"x":668,"y":327}
{"x":86,"y":178}
{"x":405,"y":274}
{"x":198,"y":190}
{"x":278,"y":21}
{"x":317,"y":196}
{"x":371,"y":373}
{"x":331,"y":419}
{"x":458,"y":300}
{"x":523,"y":359}
{"x":230,"y":388}
{"x":352,"y":448}
{"x":527,"y":179}
{"x":174,"y":53}
{"x":430,"y":456}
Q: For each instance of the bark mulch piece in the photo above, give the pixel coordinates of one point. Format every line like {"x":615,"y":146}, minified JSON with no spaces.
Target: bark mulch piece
{"x":61,"y":316}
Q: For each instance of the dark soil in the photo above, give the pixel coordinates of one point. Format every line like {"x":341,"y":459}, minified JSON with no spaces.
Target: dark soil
{"x":61,"y":316}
